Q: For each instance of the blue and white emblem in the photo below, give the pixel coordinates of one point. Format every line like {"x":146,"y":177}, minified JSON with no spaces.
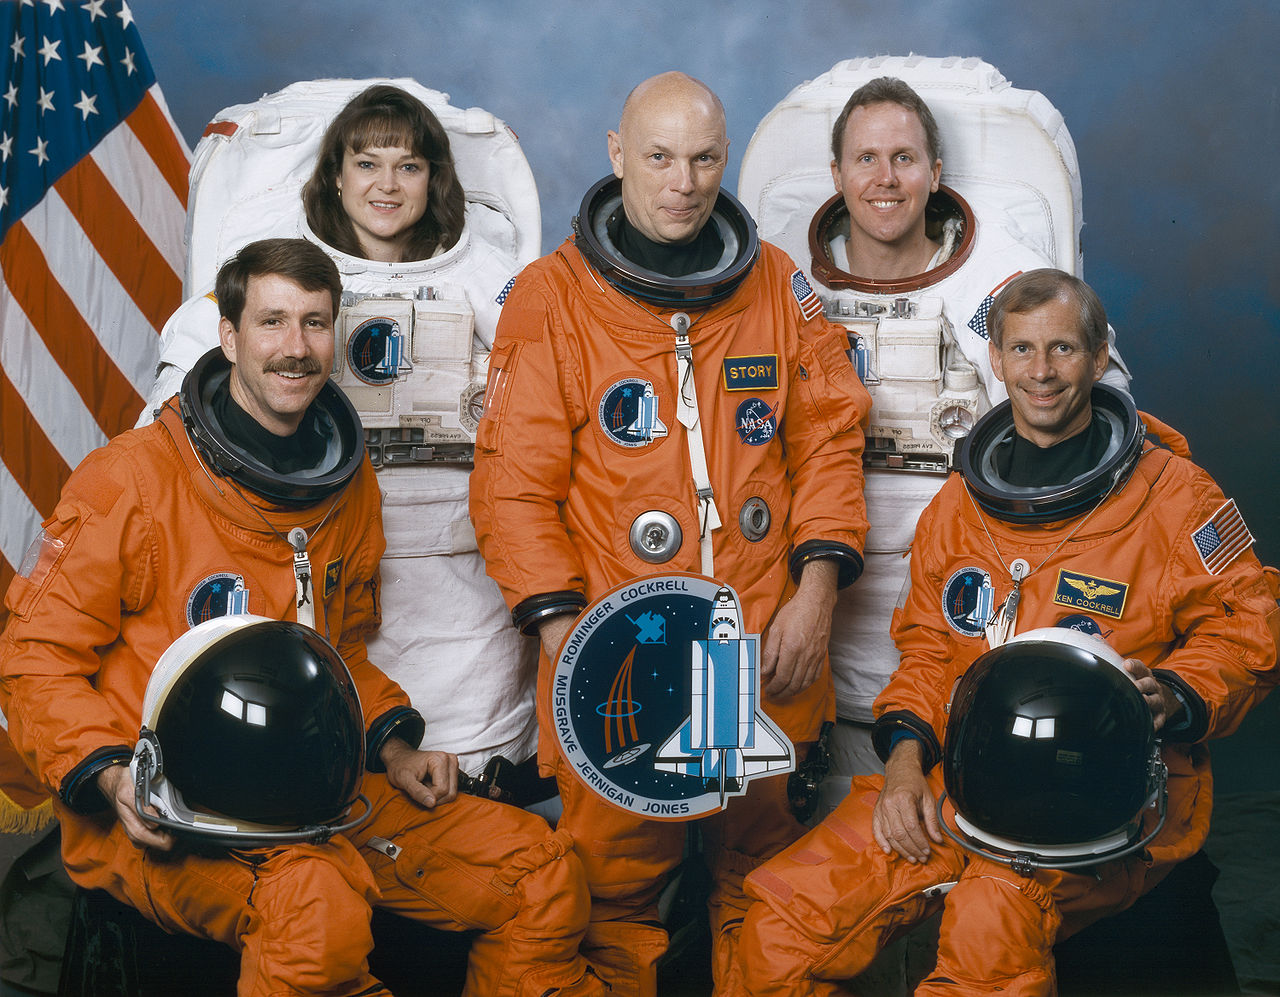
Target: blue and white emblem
{"x":376,"y":351}
{"x":755,"y":422}
{"x":1081,"y":623}
{"x":968,"y":601}
{"x":860,"y":357}
{"x":223,"y":594}
{"x":628,"y":413}
{"x":655,"y":699}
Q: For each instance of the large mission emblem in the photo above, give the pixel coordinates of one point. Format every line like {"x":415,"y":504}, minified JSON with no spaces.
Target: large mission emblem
{"x":969,"y":601}
{"x":376,"y":351}
{"x":221,"y":594}
{"x":655,"y":699}
{"x":628,"y":413}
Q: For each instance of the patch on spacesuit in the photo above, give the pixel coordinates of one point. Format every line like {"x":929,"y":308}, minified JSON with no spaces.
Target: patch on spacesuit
{"x":751,"y":373}
{"x":1095,"y":595}
{"x":377,"y":351}
{"x":628,"y":413}
{"x":860,"y":357}
{"x":501,"y":299}
{"x":1081,"y":624}
{"x":332,"y":577}
{"x":1221,"y":538}
{"x":222,"y":594}
{"x":805,"y":298}
{"x":978,"y":323}
{"x":656,"y":699}
{"x":40,"y":558}
{"x":755,"y":422}
{"x":968,"y":601}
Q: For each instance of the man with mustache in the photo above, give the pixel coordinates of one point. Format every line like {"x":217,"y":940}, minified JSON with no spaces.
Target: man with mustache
{"x":253,"y":480}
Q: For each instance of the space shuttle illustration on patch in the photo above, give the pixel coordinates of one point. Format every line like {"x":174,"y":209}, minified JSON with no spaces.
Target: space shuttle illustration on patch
{"x":647,"y":425}
{"x":726,"y":739}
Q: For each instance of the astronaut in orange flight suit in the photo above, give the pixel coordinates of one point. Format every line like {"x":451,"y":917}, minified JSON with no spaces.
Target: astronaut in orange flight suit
{"x":1140,"y":564}
{"x":581,"y":445}
{"x":149,"y":534}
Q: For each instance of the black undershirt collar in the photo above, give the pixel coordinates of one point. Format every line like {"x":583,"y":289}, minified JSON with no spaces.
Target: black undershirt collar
{"x":671,"y":260}
{"x":283,"y":454}
{"x":1020,"y":462}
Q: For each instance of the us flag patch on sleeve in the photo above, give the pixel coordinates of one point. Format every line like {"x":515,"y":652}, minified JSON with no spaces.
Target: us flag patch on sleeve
{"x":805,"y":297}
{"x":501,"y":299}
{"x":1222,"y":538}
{"x":978,"y":321}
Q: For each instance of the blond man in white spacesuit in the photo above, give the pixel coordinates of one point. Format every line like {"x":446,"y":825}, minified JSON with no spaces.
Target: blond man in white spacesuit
{"x":900,"y":235}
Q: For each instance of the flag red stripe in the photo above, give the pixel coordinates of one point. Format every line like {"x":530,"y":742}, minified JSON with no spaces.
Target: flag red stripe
{"x":106,"y":392}
{"x":29,"y":455}
{"x":1232,"y":524}
{"x":121,"y":242}
{"x":155,"y":133}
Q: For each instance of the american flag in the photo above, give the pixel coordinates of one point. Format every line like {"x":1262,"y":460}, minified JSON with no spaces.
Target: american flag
{"x":978,"y":322}
{"x":93,"y":192}
{"x":805,"y":298}
{"x":1222,"y":538}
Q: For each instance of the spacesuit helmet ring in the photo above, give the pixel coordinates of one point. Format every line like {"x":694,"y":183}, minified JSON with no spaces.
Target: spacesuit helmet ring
{"x":1052,"y":503}
{"x":305,"y":487}
{"x":944,"y":203}
{"x":736,"y":229}
{"x":1050,"y":757}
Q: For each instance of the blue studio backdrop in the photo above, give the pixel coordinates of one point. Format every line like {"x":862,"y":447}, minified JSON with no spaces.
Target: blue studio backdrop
{"x":1173,"y":108}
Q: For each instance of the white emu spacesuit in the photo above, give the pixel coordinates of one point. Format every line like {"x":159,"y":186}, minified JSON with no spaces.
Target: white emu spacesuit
{"x":412,"y":346}
{"x":1009,"y":201}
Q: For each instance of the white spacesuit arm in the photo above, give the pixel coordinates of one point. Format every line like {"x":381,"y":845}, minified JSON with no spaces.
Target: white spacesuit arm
{"x":1117,"y":374}
{"x":190,"y":333}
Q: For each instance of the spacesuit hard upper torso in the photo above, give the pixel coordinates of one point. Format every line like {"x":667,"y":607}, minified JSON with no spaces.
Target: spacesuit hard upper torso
{"x":445,"y":636}
{"x":923,"y":356}
{"x":581,"y":440}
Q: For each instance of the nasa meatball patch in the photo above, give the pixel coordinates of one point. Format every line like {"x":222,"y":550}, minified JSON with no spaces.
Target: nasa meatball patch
{"x":1082,"y":623}
{"x":755,"y":422}
{"x":655,"y":699}
{"x":628,"y":413}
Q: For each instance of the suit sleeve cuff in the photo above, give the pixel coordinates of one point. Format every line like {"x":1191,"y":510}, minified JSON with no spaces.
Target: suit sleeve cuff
{"x":79,"y":790}
{"x":529,"y":615}
{"x":848,"y":561}
{"x":890,"y":728}
{"x":1194,"y":724}
{"x":403,"y":722}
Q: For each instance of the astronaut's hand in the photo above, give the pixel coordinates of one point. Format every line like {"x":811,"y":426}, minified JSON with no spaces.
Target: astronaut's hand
{"x":430,"y":778}
{"x":116,"y":784}
{"x":905,"y":818}
{"x":1159,"y":698}
{"x":795,"y":647}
